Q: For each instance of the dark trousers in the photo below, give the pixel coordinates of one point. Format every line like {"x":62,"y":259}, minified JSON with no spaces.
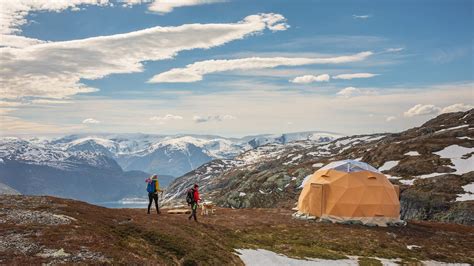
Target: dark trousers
{"x":151,"y":197}
{"x":194,"y":207}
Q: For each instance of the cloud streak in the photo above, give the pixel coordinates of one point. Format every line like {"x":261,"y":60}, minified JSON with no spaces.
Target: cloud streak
{"x":55,"y":69}
{"x":354,"y":76}
{"x":195,"y":72}
{"x":90,"y":121}
{"x":212,"y":118}
{"x":311,"y":78}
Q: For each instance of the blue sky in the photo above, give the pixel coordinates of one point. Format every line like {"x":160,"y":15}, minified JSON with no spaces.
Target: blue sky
{"x":342,"y":66}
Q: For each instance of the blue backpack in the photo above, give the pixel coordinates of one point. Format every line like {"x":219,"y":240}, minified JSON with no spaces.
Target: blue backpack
{"x":151,"y":187}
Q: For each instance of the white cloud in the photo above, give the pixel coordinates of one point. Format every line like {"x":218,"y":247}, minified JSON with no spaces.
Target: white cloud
{"x":394,"y":50}
{"x":420,"y":109}
{"x":352,"y":92}
{"x":311,"y":78}
{"x":195,"y":72}
{"x":166,"y":6}
{"x":390,"y":118}
{"x":17,"y":41}
{"x":216,"y":118}
{"x":90,"y":121}
{"x":54,"y":70}
{"x":13,"y":13}
{"x":458,"y":107}
{"x":355,"y":76}
{"x":361,"y":16}
{"x":165,"y":118}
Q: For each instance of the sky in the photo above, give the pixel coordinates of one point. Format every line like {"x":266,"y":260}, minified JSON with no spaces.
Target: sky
{"x":232,"y":67}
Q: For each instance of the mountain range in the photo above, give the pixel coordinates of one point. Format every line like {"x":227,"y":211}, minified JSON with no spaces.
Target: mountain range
{"x":105,"y":167}
{"x":432,"y":163}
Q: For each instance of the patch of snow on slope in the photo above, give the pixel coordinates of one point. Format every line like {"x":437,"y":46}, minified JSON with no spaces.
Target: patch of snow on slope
{"x":430,"y":175}
{"x":466,"y":137}
{"x":318,"y":165}
{"x":469,"y":195}
{"x":388,"y":165}
{"x":259,"y":257}
{"x":412,"y":153}
{"x":455,"y":153}
{"x":407,"y":182}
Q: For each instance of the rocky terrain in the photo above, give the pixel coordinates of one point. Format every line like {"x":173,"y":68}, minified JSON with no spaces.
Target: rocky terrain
{"x":47,"y":230}
{"x":433,"y":164}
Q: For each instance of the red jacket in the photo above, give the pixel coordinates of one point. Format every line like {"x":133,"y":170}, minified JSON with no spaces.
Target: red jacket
{"x":196,"y":195}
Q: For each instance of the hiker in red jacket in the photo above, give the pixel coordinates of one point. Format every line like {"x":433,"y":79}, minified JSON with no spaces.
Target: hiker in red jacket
{"x":194,"y":202}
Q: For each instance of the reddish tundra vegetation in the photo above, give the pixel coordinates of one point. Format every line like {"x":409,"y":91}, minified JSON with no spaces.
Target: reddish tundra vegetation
{"x":52,"y":230}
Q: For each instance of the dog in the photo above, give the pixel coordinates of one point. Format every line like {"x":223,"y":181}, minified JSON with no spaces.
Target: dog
{"x":207,"y":208}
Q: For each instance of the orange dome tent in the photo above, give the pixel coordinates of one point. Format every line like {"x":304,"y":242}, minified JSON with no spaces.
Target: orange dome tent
{"x":350,"y":191}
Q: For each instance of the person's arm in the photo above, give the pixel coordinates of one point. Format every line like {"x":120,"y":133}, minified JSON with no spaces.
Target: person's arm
{"x":157,"y":187}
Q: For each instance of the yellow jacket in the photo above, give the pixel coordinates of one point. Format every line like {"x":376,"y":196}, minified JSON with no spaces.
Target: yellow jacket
{"x":157,"y":185}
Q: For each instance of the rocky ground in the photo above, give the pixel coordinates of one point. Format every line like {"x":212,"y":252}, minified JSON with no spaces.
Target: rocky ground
{"x":430,"y":184}
{"x":47,"y":230}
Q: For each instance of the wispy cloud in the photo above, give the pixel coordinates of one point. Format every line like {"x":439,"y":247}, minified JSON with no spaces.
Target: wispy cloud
{"x":394,"y":50}
{"x":361,"y":16}
{"x":165,"y":118}
{"x":457,"y":107}
{"x":212,"y":118}
{"x":354,"y":76}
{"x":195,"y":72}
{"x":46,"y":71}
{"x":167,"y":6}
{"x":90,"y":121}
{"x":352,"y":92}
{"x":390,"y":118}
{"x":311,"y":78}
{"x":422,"y":109}
{"x":431,"y":109}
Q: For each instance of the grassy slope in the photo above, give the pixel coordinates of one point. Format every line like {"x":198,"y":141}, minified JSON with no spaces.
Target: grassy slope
{"x":132,"y":236}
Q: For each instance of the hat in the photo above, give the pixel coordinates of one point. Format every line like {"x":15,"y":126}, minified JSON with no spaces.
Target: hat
{"x":154,"y":177}
{"x":196,"y":185}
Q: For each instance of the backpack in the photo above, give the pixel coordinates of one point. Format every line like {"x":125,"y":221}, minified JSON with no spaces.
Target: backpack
{"x":190,"y":196}
{"x":151,"y":187}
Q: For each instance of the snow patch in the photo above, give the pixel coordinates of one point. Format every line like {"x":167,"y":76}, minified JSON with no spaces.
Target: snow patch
{"x":408,"y":182}
{"x":388,"y":165}
{"x":451,"y":128}
{"x":469,"y":195}
{"x":412,"y":153}
{"x":260,"y":257}
{"x":242,"y":194}
{"x":455,"y":153}
{"x":317,"y":165}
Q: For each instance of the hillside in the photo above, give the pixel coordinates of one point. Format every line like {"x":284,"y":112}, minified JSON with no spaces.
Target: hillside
{"x":432,"y":163}
{"x":37,"y":169}
{"x":47,"y":230}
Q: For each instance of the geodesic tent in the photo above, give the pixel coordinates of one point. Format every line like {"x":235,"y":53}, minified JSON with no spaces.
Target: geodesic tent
{"x":350,"y":191}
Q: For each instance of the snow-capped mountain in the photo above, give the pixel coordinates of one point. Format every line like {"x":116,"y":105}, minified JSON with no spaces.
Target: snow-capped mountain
{"x":178,"y":154}
{"x":80,"y":166}
{"x":433,"y":164}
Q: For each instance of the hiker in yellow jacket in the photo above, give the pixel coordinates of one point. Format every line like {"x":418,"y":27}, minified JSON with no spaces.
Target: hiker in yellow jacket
{"x":153,"y":188}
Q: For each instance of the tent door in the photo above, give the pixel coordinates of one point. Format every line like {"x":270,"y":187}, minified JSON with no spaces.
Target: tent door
{"x":317,"y":199}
